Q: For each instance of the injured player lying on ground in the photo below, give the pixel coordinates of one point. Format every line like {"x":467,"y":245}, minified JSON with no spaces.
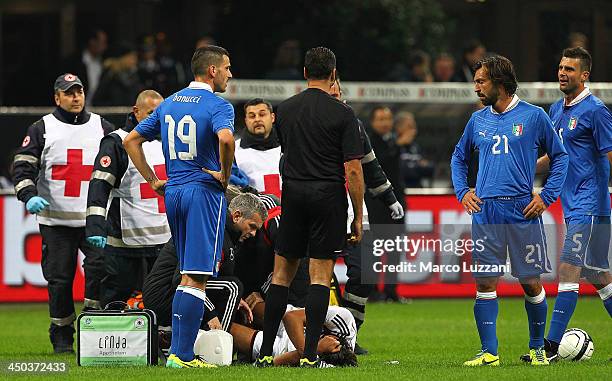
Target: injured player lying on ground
{"x":335,"y":347}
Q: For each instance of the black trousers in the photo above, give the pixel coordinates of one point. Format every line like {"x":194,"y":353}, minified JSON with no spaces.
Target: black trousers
{"x":60,"y":245}
{"x":385,"y":227}
{"x":125,"y":271}
{"x":357,"y":289}
{"x":223,"y":296}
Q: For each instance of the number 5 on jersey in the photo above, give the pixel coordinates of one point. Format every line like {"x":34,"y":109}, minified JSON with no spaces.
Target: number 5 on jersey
{"x":188,"y":137}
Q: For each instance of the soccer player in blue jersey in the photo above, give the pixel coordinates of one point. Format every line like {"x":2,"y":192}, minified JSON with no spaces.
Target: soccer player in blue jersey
{"x":505,"y":211}
{"x":196,"y":128}
{"x":584,"y":124}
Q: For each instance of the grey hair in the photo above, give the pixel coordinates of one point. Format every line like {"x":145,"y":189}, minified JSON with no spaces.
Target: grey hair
{"x":248,"y":204}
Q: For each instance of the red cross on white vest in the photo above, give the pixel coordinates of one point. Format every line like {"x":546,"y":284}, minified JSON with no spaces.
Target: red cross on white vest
{"x":147,"y":192}
{"x":73,"y":172}
{"x":272,"y":185}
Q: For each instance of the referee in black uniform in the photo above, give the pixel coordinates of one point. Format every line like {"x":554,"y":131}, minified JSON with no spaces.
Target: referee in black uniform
{"x":321,"y":148}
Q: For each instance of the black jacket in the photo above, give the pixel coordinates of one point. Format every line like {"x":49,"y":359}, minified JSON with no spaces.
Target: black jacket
{"x":376,"y":181}
{"x":256,"y":259}
{"x":388,"y":154}
{"x":161,"y":283}
{"x":412,"y":166}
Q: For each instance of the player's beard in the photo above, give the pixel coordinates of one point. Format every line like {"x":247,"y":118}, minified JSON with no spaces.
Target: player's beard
{"x":220,"y":87}
{"x":569,"y":88}
{"x":491,"y":98}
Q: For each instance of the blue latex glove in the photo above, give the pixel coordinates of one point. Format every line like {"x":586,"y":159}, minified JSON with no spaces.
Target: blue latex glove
{"x":96,"y":241}
{"x":36,"y":204}
{"x":238,"y":177}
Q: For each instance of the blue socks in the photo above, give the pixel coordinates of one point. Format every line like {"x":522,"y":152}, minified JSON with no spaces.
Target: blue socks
{"x":191,"y":311}
{"x":486,"y":309}
{"x":536,"y":308}
{"x":606,"y":296}
{"x":562,"y":313}
{"x":176,"y":322}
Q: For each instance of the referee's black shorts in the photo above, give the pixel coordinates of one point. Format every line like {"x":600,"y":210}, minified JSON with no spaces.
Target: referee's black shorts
{"x":314,"y":220}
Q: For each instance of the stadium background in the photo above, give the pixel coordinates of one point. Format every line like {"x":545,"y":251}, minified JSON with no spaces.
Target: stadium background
{"x":370,"y":39}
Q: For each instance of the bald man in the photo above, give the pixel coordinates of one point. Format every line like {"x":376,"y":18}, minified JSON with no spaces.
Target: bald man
{"x":133,"y":228}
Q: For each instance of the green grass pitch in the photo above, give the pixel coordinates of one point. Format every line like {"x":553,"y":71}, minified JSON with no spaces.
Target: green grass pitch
{"x":422,"y":340}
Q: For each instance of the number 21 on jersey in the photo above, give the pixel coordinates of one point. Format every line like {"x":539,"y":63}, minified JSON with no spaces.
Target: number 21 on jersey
{"x":186,"y":133}
{"x":498,"y":139}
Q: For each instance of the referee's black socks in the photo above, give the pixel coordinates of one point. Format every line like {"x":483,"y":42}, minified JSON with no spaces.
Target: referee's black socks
{"x":317,"y":302}
{"x":276,"y":304}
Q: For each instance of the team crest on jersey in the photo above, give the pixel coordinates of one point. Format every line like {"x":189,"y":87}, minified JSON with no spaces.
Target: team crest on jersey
{"x":517,"y":129}
{"x":573,"y":122}
{"x":26,"y":141}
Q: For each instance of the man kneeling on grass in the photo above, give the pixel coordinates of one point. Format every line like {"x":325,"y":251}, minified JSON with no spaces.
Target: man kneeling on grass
{"x":335,"y":347}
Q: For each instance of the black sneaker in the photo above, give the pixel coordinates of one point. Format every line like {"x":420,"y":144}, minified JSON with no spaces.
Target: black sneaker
{"x":318,"y":363}
{"x":359,"y":350}
{"x":264,"y":362}
{"x":62,"y":338}
{"x":551,"y":355}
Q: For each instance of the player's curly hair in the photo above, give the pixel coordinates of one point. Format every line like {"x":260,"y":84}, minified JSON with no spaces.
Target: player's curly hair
{"x":345,"y":357}
{"x":500,"y":71}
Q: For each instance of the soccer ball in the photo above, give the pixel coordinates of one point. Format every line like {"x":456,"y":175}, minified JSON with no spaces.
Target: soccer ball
{"x":576,"y":345}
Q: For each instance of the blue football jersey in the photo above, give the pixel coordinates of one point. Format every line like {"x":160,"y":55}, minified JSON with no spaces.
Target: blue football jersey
{"x":585,"y":127}
{"x":508,"y":150}
{"x":188,"y":122}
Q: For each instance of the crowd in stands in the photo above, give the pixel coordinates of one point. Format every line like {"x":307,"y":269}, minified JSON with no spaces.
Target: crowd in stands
{"x":115,"y":72}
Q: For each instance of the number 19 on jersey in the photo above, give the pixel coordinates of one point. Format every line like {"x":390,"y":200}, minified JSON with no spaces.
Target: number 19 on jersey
{"x":187,"y":137}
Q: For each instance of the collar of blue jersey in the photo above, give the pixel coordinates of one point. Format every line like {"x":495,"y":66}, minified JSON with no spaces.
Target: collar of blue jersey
{"x":515,"y":100}
{"x":200,"y":86}
{"x":583,"y":94}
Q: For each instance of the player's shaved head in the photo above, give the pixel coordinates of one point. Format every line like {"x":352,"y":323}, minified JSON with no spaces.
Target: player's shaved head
{"x":205,"y":57}
{"x":146,"y":102}
{"x":144,"y":95}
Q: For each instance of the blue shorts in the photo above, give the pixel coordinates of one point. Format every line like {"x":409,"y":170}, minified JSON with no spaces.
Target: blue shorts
{"x":196,"y":215}
{"x":504,"y":231}
{"x":587,"y":242}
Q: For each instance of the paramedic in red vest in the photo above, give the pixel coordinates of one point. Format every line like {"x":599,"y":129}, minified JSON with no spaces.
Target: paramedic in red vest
{"x":133,"y":228}
{"x":258,"y":150}
{"x":51,"y":175}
